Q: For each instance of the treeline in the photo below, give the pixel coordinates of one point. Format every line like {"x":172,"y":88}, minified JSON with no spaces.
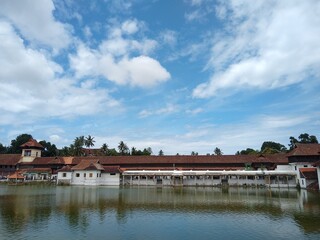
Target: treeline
{"x":81,"y":146}
{"x":270,"y":147}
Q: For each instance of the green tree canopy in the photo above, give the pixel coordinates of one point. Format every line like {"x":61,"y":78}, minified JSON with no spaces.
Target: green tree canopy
{"x":16,"y":143}
{"x":270,"y":147}
{"x":50,"y":150}
{"x":123,"y":148}
{"x":303,"y":138}
{"x":217,"y":151}
{"x":161,"y":153}
{"x":89,"y":141}
{"x":248,"y":151}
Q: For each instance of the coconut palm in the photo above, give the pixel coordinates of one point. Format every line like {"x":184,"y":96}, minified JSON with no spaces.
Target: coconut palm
{"x":89,"y":142}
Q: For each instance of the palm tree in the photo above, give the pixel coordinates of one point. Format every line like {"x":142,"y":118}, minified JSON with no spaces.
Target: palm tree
{"x":89,"y":142}
{"x":123,"y":148}
{"x":77,"y":146}
{"x":104,"y":148}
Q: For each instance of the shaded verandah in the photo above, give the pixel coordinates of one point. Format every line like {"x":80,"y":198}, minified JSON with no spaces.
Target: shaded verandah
{"x":210,"y":178}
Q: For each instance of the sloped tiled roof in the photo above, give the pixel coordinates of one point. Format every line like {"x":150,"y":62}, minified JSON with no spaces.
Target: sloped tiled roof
{"x":88,"y":165}
{"x":9,"y":159}
{"x":65,"y":169}
{"x":309,"y":173}
{"x":15,"y":175}
{"x":305,"y":149}
{"x":112,"y":169}
{"x":186,"y":159}
{"x":32,"y":143}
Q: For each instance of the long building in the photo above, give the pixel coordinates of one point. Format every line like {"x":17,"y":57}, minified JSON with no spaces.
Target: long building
{"x":299,"y":167}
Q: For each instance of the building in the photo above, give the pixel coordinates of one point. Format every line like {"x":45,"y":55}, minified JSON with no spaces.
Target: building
{"x":299,"y":167}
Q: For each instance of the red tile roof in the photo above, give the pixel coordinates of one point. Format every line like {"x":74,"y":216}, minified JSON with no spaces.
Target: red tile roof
{"x":305,"y":149}
{"x":15,"y":175}
{"x":65,"y":169}
{"x":112,"y":169}
{"x":32,"y":143}
{"x":9,"y":159}
{"x":88,"y":165}
{"x":309,"y":173}
{"x":185,"y":159}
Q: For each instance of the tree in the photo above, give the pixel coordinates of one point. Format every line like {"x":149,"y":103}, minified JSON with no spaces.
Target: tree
{"x":147,"y":151}
{"x":303,"y":138}
{"x":193,"y":153}
{"x":65,"y":151}
{"x":104,"y":149}
{"x":217,"y":151}
{"x":270,"y":147}
{"x":50,"y":150}
{"x":123,"y":148}
{"x":77,"y":146}
{"x":161,"y":153}
{"x":15,"y":144}
{"x":3,"y":149}
{"x":89,"y":142}
{"x":306,"y":138}
{"x":248,"y":151}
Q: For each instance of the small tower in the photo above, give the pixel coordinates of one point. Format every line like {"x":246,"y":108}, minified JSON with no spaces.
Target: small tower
{"x":31,"y":150}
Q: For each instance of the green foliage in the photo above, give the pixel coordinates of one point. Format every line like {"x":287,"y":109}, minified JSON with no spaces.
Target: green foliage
{"x":16,"y":143}
{"x":248,"y":151}
{"x":193,"y":153}
{"x":217,"y":151}
{"x":89,"y":142}
{"x":161,"y":153}
{"x":270,"y":147}
{"x":50,"y":150}
{"x":123,"y":148}
{"x":303,"y":138}
{"x":3,"y":149}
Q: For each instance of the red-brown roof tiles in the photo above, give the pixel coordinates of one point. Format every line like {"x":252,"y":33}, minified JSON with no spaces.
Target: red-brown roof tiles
{"x":9,"y":159}
{"x":181,"y":159}
{"x":88,"y":165}
{"x":32,"y":143}
{"x":309,"y":173}
{"x":306,"y":149}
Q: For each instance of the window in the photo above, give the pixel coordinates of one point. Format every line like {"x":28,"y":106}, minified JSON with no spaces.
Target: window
{"x":27,"y":153}
{"x":305,"y":165}
{"x":295,"y":168}
{"x":84,"y":175}
{"x":112,"y":174}
{"x":90,"y":174}
{"x":97,"y":174}
{"x":77,"y":174}
{"x":64,"y":174}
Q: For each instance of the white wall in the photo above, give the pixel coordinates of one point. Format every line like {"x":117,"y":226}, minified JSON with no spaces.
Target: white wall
{"x":66,"y":179}
{"x":110,"y":179}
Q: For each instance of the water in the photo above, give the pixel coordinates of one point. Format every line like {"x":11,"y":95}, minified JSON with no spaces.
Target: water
{"x":49,"y":212}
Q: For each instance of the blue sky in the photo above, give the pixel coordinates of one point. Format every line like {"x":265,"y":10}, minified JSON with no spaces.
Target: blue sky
{"x":179,"y":76}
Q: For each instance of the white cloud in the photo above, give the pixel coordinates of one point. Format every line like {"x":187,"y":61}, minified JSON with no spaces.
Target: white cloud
{"x":169,"y":37}
{"x":36,"y":22}
{"x":30,"y":86}
{"x":269,"y":45}
{"x":121,"y":60}
{"x":170,"y":108}
{"x":130,"y":26}
{"x":194,"y":111}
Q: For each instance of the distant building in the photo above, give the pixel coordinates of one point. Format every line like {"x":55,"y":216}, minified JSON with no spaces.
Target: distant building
{"x":299,"y":167}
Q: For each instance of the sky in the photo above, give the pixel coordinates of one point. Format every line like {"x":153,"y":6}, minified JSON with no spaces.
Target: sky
{"x":176,"y":75}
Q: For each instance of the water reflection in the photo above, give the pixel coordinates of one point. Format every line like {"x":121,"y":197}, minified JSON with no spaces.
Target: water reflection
{"x":79,"y":210}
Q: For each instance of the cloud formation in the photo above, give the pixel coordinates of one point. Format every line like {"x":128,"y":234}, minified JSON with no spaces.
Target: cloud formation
{"x":121,"y":59}
{"x":267,"y":45}
{"x":36,"y":23}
